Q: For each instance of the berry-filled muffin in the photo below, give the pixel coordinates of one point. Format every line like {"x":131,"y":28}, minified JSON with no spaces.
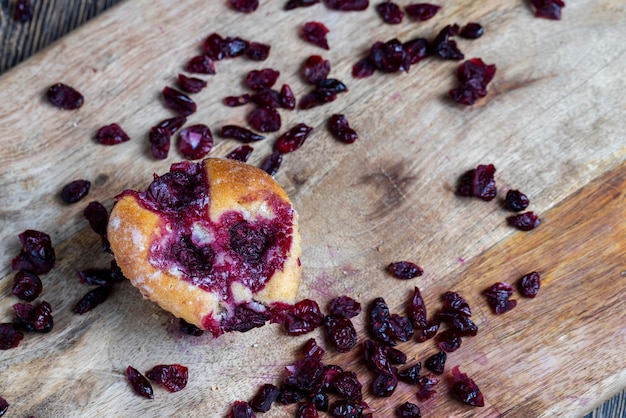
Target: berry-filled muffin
{"x":215,"y":243}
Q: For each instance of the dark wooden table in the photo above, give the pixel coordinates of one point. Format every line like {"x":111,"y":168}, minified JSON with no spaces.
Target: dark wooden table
{"x":55,"y":18}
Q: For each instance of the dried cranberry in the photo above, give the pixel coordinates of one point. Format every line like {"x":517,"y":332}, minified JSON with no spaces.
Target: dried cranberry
{"x":401,"y":328}
{"x":479,"y":183}
{"x":473,"y":75}
{"x":426,"y":387}
{"x":264,"y":119}
{"x":65,"y":97}
{"x":112,"y":134}
{"x":92,"y":299}
{"x":241,"y":134}
{"x":195,"y":141}
{"x":171,"y":376}
{"x":390,"y":56}
{"x":340,"y":128}
{"x":416,"y":49}
{"x":347,"y":385}
{"x":325,"y":91}
{"x":464,"y":388}
{"x":235,"y":101}
{"x":315,"y":33}
{"x":249,"y":242}
{"x":178,"y":102}
{"x":345,"y":409}
{"x":498,"y":296}
{"x":233,"y":47}
{"x":257,"y":51}
{"x":139,"y":383}
{"x":303,"y":317}
{"x":341,"y":333}
{"x":445,"y":47}
{"x":429,"y":332}
{"x":548,"y":9}
{"x":34,"y":318}
{"x":259,"y":79}
{"x":454,"y":302}
{"x":464,"y":326}
{"x":37,"y":254}
{"x":311,"y":349}
{"x":293,"y":4}
{"x":417,"y":309}
{"x":315,"y":69}
{"x":99,"y":277}
{"x":422,"y":11}
{"x":379,"y":317}
{"x":472,"y":30}
{"x":436,"y":362}
{"x":200,"y":64}
{"x":408,"y":410}
{"x":404,"y":270}
{"x":306,"y":410}
{"x":396,"y":356}
{"x":272,"y":163}
{"x":245,"y":319}
{"x":344,"y":307}
{"x":411,"y":374}
{"x":529,"y":284}
{"x":172,"y":125}
{"x":304,"y":375}
{"x":390,"y":12}
{"x":26,"y":285}
{"x":376,"y":355}
{"x":267,"y":97}
{"x":384,"y":384}
{"x":189,"y":329}
{"x":320,"y":401}
{"x":290,"y":395}
{"x":331,"y":371}
{"x":160,"y":141}
{"x":264,"y":398}
{"x":363,"y":68}
{"x":191,"y":84}
{"x":449,"y":340}
{"x":23,"y":12}
{"x":287,"y":98}
{"x":244,"y":6}
{"x":98,"y":218}
{"x":241,"y":153}
{"x":75,"y":190}
{"x":10,"y":337}
{"x":347,"y":5}
{"x":516,"y":201}
{"x":524,"y":221}
{"x":292,"y":139}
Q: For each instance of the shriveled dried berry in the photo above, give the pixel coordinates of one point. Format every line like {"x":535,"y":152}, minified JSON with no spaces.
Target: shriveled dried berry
{"x":364,"y":68}
{"x":345,"y":409}
{"x":315,"y":69}
{"x":75,"y":190}
{"x":235,"y":101}
{"x":422,"y":11}
{"x":344,"y":307}
{"x":267,"y":97}
{"x":426,"y":387}
{"x":524,"y":221}
{"x":449,"y":340}
{"x":257,"y":51}
{"x":416,"y":49}
{"x":293,"y":4}
{"x":195,"y":141}
{"x":465,"y":389}
{"x":472,"y":30}
{"x":191,"y":84}
{"x":34,"y":318}
{"x":99,"y":277}
{"x":376,"y":355}
{"x":311,"y":349}
{"x":264,"y":398}
{"x":401,"y":327}
{"x":4,"y":406}
{"x":347,"y":385}
{"x":390,"y":56}
{"x":446,"y":48}
{"x":287,"y":98}
{"x":292,"y":139}
{"x":26,"y":285}
{"x":303,"y":317}
{"x":244,"y":6}
{"x":306,"y":410}
{"x":112,"y":134}
{"x":347,"y":5}
{"x":200,"y":64}
{"x":404,"y":270}
{"x":498,"y":296}
{"x":390,"y":12}
{"x":271,"y":163}
{"x":341,"y":333}
{"x":264,"y":119}
{"x":139,"y":383}
{"x":315,"y":33}
{"x":516,"y":201}
{"x":239,"y":133}
{"x":408,"y":410}
{"x":92,"y":299}
{"x":429,"y":332}
{"x":452,"y":301}
{"x":189,"y":329}
{"x":548,"y":9}
{"x":384,"y":384}
{"x":37,"y":254}
{"x":529,"y":284}
{"x":417,"y":309}
{"x":473,"y":75}
{"x":172,"y":377}
{"x":411,"y":374}
{"x":98,"y":218}
{"x":178,"y":102}
{"x":241,"y":153}
{"x":23,"y":12}
{"x":320,"y":401}
{"x":379,"y":321}
{"x":64,"y":97}
{"x":10,"y":337}
{"x":340,"y":128}
{"x":259,"y":79}
{"x":436,"y":362}
{"x":479,"y":183}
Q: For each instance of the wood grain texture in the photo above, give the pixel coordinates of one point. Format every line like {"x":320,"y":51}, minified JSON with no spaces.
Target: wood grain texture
{"x":551,"y":124}
{"x":52,"y":20}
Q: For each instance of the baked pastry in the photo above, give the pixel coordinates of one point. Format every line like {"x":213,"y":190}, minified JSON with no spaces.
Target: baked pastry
{"x":215,"y":243}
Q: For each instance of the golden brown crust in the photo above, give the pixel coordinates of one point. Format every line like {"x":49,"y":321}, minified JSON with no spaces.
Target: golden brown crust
{"x":233,"y":186}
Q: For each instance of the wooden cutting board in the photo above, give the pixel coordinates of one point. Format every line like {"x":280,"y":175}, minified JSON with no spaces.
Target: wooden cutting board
{"x":552,"y":124}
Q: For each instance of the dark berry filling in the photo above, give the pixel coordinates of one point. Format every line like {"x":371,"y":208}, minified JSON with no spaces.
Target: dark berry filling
{"x":315,"y":69}
{"x":479,"y":183}
{"x":244,"y":6}
{"x":292,"y":139}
